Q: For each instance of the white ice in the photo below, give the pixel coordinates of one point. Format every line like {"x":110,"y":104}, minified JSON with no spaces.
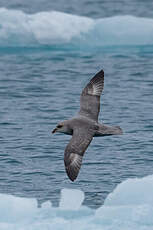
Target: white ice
{"x":49,"y":28}
{"x":71,"y":199}
{"x":128,"y":207}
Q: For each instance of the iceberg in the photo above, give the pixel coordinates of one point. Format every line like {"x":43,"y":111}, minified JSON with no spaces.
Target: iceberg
{"x":18,"y":29}
{"x":129,"y":206}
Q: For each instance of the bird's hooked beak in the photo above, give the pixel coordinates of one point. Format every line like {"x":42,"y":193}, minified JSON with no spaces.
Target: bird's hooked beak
{"x":54,"y":130}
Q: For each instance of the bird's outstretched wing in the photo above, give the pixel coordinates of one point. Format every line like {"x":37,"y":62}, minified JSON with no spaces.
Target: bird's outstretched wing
{"x":75,"y":150}
{"x":90,"y":97}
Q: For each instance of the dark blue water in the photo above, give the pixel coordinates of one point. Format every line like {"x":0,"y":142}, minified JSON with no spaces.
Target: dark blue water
{"x":42,"y":72}
{"x":96,"y":9}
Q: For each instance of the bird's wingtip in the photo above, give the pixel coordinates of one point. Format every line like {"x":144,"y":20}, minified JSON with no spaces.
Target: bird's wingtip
{"x":101,"y":72}
{"x":71,"y":174}
{"x":119,"y":130}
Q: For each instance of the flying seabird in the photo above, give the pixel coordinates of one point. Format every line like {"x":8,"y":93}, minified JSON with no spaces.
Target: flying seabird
{"x":84,"y":126}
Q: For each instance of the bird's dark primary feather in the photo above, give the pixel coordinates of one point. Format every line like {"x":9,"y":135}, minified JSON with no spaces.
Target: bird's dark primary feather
{"x":75,"y":150}
{"x":90,"y":97}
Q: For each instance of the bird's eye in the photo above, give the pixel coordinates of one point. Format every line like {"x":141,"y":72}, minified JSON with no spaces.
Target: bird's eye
{"x":59,"y":126}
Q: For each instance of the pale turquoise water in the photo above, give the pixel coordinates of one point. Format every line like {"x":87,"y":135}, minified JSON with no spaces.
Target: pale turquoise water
{"x":44,"y":64}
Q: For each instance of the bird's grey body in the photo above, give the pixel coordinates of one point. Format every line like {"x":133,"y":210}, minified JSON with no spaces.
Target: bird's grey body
{"x":85,"y":126}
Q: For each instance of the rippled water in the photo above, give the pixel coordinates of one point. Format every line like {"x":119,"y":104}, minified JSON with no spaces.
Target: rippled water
{"x":44,"y":64}
{"x":40,"y":88}
{"x":88,"y":8}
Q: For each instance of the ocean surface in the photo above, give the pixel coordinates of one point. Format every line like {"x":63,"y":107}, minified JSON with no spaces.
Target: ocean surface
{"x":48,"y":53}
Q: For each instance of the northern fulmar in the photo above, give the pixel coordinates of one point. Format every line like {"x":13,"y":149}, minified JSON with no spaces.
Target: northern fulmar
{"x":84,"y":126}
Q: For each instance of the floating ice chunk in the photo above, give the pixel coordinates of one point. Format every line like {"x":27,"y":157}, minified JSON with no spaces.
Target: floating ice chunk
{"x":46,"y":205}
{"x":14,"y":208}
{"x":132,"y":192}
{"x":49,"y":28}
{"x":130,"y":204}
{"x":71,"y":199}
{"x":129,"y":207}
{"x":58,"y":27}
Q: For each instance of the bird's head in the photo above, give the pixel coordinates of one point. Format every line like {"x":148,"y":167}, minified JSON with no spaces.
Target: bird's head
{"x":61,"y":127}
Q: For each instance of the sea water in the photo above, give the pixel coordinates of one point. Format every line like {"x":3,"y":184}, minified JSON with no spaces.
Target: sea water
{"x":48,"y":53}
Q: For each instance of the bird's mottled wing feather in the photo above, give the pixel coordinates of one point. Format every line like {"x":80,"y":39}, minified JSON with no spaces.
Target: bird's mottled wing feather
{"x":75,"y":150}
{"x":90,"y":97}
